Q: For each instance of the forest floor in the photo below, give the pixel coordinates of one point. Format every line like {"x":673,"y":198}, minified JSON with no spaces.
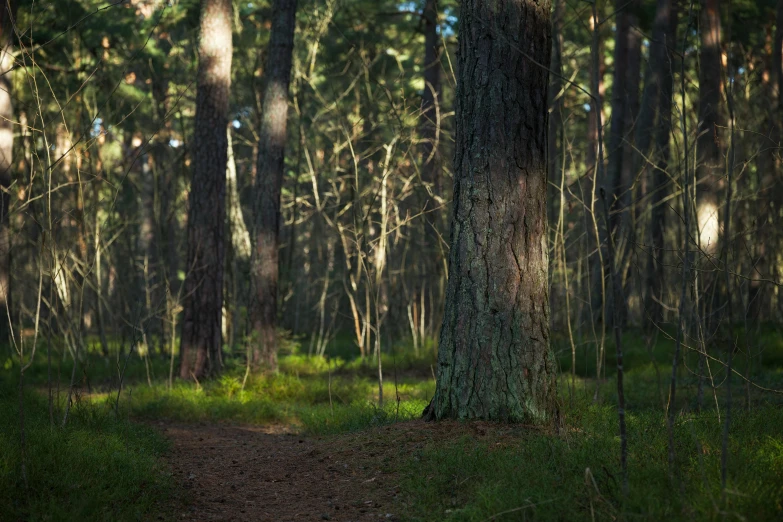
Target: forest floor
{"x":310,"y":442}
{"x":260,"y":473}
{"x":274,"y":473}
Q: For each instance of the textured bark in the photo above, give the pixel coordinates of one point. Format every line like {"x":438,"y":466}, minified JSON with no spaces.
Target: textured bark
{"x":202,"y":321}
{"x":7,"y":16}
{"x":709,"y":160}
{"x":269,"y":180}
{"x":494,"y":360}
{"x":661,"y":67}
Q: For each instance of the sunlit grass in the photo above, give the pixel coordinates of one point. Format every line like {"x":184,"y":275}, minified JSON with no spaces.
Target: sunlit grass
{"x":311,"y":397}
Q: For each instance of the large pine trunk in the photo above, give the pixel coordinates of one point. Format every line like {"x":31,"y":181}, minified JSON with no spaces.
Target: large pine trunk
{"x":7,"y":16}
{"x":203,"y":293}
{"x":494,"y":360}
{"x":269,"y":180}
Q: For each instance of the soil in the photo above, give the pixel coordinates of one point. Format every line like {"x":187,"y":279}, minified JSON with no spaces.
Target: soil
{"x":272,"y":473}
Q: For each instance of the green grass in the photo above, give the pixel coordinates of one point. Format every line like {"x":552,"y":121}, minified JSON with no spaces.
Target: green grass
{"x":96,"y":468}
{"x":531,"y":475}
{"x":568,"y":477}
{"x":302,"y":394}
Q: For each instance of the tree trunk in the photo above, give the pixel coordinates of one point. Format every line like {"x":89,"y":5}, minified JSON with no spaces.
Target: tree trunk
{"x":709,"y":161}
{"x":202,"y":318}
{"x":555,"y":111}
{"x":271,"y":164}
{"x":238,"y":254}
{"x":7,"y":17}
{"x":770,"y":190}
{"x":661,"y":66}
{"x":494,"y":360}
{"x":596,"y":74}
{"x":619,"y":91}
{"x":431,"y":99}
{"x":616,"y":184}
{"x":777,"y":193}
{"x":240,"y":237}
{"x":624,"y":243}
{"x":430,"y":267}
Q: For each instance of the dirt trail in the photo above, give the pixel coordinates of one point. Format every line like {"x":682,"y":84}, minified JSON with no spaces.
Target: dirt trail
{"x":267,"y":473}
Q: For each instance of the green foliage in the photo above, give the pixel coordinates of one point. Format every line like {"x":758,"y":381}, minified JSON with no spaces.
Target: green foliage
{"x":96,"y":468}
{"x":575,"y":475}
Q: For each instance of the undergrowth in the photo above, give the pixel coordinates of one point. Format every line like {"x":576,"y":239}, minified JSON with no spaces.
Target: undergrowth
{"x":537,"y":475}
{"x":99,"y":467}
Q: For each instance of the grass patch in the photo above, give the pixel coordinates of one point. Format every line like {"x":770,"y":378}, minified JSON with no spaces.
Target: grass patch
{"x":574,"y":476}
{"x":312,"y":399}
{"x":96,"y":468}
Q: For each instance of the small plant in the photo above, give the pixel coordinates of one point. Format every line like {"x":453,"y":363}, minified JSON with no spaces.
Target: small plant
{"x":228,"y":386}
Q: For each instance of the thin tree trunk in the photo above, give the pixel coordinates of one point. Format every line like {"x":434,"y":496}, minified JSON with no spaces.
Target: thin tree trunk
{"x":555,"y":110}
{"x":709,"y":162}
{"x":429,"y":126}
{"x":203,"y":308}
{"x":145,"y":248}
{"x":240,"y":237}
{"x":494,"y":359}
{"x":431,"y":171}
{"x":624,"y":243}
{"x":271,"y":164}
{"x":658,"y":98}
{"x":770,"y":249}
{"x":618,"y":187}
{"x":597,"y":71}
{"x":7,"y":18}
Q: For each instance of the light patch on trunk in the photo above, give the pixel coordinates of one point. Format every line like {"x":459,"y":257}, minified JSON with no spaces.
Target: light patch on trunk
{"x":277,"y":112}
{"x":709,"y":226}
{"x":6,"y":144}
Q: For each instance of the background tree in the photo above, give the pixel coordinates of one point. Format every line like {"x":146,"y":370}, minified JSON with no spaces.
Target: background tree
{"x":657,"y":98}
{"x":203,"y":310}
{"x":269,"y":181}
{"x":708,"y":143}
{"x":7,"y":33}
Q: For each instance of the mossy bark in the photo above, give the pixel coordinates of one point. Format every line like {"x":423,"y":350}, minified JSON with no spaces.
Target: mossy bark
{"x":494,"y":359}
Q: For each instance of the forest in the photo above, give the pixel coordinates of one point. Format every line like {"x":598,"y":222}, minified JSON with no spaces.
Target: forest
{"x":352,"y":260}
